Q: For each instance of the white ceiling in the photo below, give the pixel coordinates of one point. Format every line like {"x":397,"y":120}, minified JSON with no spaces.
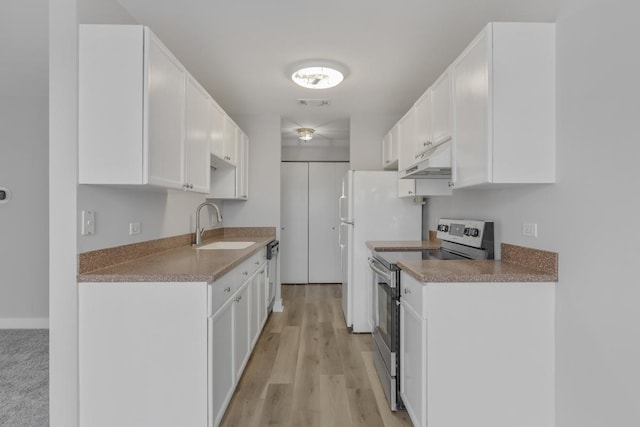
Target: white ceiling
{"x":241,"y":50}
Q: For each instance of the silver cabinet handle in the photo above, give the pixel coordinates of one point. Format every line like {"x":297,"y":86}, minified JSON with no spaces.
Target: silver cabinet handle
{"x":227,"y":289}
{"x":407,"y":291}
{"x":257,"y":262}
{"x":245,"y":273}
{"x":450,"y":184}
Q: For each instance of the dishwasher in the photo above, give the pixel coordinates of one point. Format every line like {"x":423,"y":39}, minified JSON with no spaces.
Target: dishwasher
{"x":272,"y":271}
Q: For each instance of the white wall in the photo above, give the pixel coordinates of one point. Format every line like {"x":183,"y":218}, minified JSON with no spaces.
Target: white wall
{"x":63,"y":178}
{"x":597,"y":315}
{"x":292,"y":151}
{"x":24,"y":170}
{"x":24,"y":224}
{"x":263,"y":207}
{"x":365,"y":139}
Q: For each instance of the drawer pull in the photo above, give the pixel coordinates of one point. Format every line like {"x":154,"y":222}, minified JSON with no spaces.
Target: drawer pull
{"x":257,"y":262}
{"x":227,"y":289}
{"x":407,"y":291}
{"x":245,"y":273}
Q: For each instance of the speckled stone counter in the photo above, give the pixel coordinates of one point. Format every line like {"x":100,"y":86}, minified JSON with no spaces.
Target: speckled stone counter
{"x":518,"y":264}
{"x":403,"y":245}
{"x":177,"y":264}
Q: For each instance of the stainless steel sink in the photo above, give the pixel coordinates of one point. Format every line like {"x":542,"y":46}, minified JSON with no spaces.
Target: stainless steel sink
{"x":226,"y":245}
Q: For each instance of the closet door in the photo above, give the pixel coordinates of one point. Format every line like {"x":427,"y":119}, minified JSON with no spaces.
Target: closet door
{"x":294,"y":235}
{"x":325,"y":187}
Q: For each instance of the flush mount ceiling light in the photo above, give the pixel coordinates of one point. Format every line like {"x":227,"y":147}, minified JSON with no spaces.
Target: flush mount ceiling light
{"x":318,"y":74}
{"x":305,"y":134}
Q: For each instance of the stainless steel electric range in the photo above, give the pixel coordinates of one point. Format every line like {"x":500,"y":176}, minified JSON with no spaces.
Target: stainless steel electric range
{"x":461,"y":239}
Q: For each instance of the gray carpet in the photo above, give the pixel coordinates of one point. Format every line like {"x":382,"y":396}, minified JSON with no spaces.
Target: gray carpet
{"x":24,"y":377}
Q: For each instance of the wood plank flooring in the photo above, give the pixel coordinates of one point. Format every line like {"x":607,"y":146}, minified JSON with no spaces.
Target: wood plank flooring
{"x":308,"y":370}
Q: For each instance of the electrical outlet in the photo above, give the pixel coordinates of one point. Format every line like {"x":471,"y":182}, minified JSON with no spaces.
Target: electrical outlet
{"x":529,"y":229}
{"x":134,"y":228}
{"x":88,"y":223}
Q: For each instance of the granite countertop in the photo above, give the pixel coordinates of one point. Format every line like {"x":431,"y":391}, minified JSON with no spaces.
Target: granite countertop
{"x":180,"y":264}
{"x":437,"y":270}
{"x":403,"y":245}
{"x":518,"y":264}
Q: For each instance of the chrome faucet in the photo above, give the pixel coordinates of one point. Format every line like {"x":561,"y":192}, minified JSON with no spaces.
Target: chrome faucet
{"x":200,"y":231}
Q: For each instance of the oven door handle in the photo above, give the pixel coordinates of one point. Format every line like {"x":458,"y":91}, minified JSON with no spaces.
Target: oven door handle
{"x":374,"y":265}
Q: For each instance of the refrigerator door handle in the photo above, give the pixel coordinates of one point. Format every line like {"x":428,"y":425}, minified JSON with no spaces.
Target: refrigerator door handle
{"x":342,"y":214}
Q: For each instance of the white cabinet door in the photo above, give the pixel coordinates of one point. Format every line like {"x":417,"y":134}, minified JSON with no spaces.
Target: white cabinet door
{"x":217,"y":136}
{"x":294,"y":236}
{"x":406,"y":139}
{"x":241,"y":319}
{"x":413,"y":355}
{"x":198,"y":132}
{"x":440,"y":123}
{"x":389,"y":152}
{"x":165,"y":115}
{"x":325,"y":187}
{"x":504,"y":106}
{"x":263,"y":296}
{"x":406,"y":187}
{"x":254,"y":310}
{"x":230,"y":141}
{"x":471,"y":101}
{"x":422,"y":133}
{"x":221,"y":372}
{"x":242,"y":170}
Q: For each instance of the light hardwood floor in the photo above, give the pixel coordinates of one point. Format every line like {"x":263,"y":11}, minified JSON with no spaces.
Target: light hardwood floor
{"x":308,"y":370}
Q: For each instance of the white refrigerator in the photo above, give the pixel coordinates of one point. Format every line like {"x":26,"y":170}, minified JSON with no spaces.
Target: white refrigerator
{"x":370,"y":209}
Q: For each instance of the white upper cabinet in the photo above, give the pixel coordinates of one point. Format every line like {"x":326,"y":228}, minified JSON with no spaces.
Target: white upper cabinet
{"x":440,"y":124}
{"x":199,"y":130}
{"x":504,"y":106}
{"x":422,"y":135}
{"x":134,"y":127}
{"x":231,"y":181}
{"x":230,"y":136}
{"x":389,"y":152}
{"x":406,"y":139}
{"x":217,"y":139}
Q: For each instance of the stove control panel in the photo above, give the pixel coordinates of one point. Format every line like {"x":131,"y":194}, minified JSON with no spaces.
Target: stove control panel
{"x":465,"y":231}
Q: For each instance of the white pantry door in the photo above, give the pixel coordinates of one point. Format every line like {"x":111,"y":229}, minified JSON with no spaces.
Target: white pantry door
{"x":294,"y":235}
{"x":325,"y":188}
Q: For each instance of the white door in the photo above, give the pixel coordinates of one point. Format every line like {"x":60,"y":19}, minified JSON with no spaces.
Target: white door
{"x":294,"y":235}
{"x":412,"y":363}
{"x":325,"y":188}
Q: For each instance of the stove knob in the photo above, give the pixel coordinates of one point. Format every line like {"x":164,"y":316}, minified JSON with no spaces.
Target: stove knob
{"x":443,"y":227}
{"x":466,"y":232}
{"x":474,"y":232}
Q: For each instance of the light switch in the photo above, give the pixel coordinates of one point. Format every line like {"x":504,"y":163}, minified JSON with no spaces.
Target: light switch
{"x":134,"y":228}
{"x":88,"y":223}
{"x":529,"y":229}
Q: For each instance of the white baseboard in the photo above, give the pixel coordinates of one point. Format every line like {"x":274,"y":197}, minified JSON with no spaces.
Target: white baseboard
{"x":24,"y":323}
{"x":277,"y":306}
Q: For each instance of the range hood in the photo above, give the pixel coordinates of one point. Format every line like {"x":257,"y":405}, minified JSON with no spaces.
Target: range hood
{"x":433,"y":163}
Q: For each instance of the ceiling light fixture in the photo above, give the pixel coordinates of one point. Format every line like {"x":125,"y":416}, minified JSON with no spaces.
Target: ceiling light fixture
{"x":318,"y":73}
{"x":305,"y":134}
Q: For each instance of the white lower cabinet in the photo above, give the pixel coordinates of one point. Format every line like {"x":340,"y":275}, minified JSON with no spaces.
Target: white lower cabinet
{"x":413,"y":363}
{"x":241,"y":324}
{"x":477,"y":354}
{"x":222,"y":376}
{"x":167,"y":354}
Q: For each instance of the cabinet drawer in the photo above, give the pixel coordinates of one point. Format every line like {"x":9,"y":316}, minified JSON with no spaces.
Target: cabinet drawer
{"x":414,"y":292}
{"x":220,"y":291}
{"x":245,"y":270}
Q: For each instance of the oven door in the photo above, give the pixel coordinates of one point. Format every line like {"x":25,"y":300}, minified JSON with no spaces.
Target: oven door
{"x":385,"y":316}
